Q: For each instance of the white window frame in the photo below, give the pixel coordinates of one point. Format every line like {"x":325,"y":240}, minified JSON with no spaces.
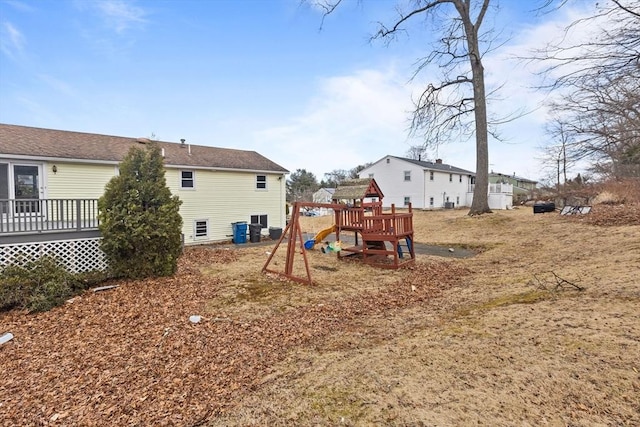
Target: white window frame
{"x":261,"y":182}
{"x":183,"y":179}
{"x":430,"y":175}
{"x":407,"y":176}
{"x":195,"y":229}
{"x":460,"y":178}
{"x":431,"y":201}
{"x":407,"y":200}
{"x":450,"y":177}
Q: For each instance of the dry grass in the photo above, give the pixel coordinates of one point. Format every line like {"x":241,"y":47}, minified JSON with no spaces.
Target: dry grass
{"x":500,"y":349}
{"x":485,"y":340}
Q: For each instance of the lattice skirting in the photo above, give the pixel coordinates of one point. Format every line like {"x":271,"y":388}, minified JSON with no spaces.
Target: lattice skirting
{"x":78,"y":256}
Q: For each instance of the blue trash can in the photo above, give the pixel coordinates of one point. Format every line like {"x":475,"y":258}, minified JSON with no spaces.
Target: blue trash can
{"x":239,"y":232}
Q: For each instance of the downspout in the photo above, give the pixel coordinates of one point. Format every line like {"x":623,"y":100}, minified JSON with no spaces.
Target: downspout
{"x":424,"y":189}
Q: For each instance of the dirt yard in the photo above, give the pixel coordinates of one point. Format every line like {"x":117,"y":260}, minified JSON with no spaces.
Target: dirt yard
{"x":541,"y":327}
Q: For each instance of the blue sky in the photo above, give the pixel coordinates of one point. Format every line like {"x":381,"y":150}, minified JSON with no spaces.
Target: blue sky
{"x":255,"y":74}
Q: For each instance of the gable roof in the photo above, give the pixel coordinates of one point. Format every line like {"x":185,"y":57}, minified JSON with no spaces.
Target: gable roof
{"x":357,"y":189}
{"x":441,"y":167}
{"x":329,"y":190}
{"x":38,"y":143}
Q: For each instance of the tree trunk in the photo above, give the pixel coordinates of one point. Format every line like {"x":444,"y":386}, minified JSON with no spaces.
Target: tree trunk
{"x":480,"y":202}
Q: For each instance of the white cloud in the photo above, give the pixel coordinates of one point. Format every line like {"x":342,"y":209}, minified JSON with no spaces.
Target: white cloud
{"x":360,"y":117}
{"x":12,"y":42}
{"x":19,"y":5}
{"x":121,"y":15}
{"x":118,"y":15}
{"x":350,"y":120}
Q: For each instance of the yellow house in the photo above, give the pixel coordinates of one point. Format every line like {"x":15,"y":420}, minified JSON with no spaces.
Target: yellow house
{"x":218,"y":186}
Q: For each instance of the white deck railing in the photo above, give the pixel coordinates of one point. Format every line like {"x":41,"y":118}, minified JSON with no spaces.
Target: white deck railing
{"x":47,"y":215}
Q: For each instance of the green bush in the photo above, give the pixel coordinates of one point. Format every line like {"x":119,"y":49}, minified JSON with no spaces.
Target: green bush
{"x":41,"y":285}
{"x":139,"y":218}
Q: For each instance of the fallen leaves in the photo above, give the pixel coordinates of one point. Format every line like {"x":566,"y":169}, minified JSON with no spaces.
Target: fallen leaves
{"x":611,"y":215}
{"x":130,"y":355}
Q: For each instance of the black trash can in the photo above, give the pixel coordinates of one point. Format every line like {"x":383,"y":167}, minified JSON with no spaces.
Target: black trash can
{"x":254,"y":232}
{"x":542,"y":207}
{"x":275,"y":233}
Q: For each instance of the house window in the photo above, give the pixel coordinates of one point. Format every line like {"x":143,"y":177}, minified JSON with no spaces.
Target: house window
{"x":407,"y":175}
{"x":201,"y":229}
{"x":447,"y":199}
{"x":388,"y":161}
{"x":187,"y":179}
{"x":261,"y":182}
{"x":370,"y":175}
{"x":460,"y":178}
{"x":457,"y":200}
{"x":450,"y":177}
{"x":431,"y":201}
{"x":407,"y":200}
{"x":431,"y":176}
{"x":259,"y":219}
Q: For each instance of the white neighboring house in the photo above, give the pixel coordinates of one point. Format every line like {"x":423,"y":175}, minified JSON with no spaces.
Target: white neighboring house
{"x":426,"y":185}
{"x":324,"y":195}
{"x":430,"y":185}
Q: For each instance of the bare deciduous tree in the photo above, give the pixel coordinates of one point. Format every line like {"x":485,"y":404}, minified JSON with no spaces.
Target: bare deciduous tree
{"x":417,"y":152}
{"x":444,"y":107}
{"x":600,"y":84}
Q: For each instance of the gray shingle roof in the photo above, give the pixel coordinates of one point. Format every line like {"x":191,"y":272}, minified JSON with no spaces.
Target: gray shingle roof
{"x":443,"y":167}
{"x":59,"y":144}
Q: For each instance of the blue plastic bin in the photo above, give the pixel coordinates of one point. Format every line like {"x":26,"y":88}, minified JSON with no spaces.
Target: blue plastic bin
{"x":239,"y":232}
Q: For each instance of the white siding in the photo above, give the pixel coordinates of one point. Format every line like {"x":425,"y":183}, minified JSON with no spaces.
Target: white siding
{"x":389,"y":173}
{"x":390,"y":179}
{"x":441,"y":188}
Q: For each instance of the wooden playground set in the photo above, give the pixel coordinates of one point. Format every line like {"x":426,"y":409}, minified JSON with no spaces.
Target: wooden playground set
{"x":381,"y":239}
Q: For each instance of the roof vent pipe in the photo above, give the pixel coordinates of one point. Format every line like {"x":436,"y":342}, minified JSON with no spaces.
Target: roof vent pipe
{"x":182,"y":142}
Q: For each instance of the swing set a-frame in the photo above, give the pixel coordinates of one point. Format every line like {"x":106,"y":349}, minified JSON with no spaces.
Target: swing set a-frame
{"x":381,"y":239}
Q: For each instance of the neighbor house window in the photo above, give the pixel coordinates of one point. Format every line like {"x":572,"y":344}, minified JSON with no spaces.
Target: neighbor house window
{"x":457,"y":200}
{"x":388,"y":161}
{"x":460,"y":178}
{"x":407,"y":200}
{"x":407,"y":175}
{"x":201,"y":229}
{"x":187,"y":179}
{"x":261,"y":182}
{"x":431,"y":176}
{"x":431,"y":201}
{"x":259,"y":219}
{"x":450,"y":177}
{"x":370,"y":175}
